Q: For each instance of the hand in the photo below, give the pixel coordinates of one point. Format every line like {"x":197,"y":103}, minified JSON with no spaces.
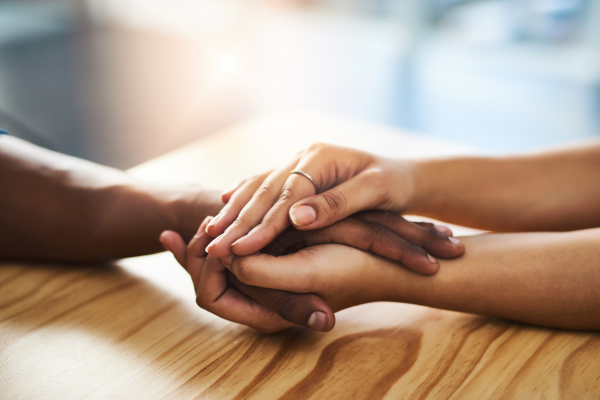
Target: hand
{"x":380,"y":232}
{"x":219,"y":292}
{"x":298,"y":308}
{"x":348,"y":181}
{"x":340,"y":275}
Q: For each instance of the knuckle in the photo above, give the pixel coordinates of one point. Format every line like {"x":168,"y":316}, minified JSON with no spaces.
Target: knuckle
{"x":285,"y":306}
{"x":270,"y":224}
{"x":287,"y":194}
{"x":372,"y":233}
{"x":375,"y":230}
{"x":334,"y":202}
{"x":262,"y":191}
{"x":407,"y":251}
{"x":378,"y":183}
{"x":241,"y":222}
{"x":317,"y":146}
{"x":390,"y":218}
{"x":429,"y":241}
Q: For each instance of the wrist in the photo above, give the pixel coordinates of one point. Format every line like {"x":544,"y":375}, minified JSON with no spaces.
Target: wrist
{"x":402,"y":187}
{"x":390,"y":280}
{"x":421,"y":176}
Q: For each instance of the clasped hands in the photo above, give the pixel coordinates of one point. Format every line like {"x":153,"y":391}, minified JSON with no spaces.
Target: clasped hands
{"x":284,"y":251}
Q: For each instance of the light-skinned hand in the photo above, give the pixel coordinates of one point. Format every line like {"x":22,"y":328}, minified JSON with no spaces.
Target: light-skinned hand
{"x":347,"y":180}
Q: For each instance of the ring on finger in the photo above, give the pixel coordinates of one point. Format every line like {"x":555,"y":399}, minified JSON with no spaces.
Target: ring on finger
{"x":306,"y":175}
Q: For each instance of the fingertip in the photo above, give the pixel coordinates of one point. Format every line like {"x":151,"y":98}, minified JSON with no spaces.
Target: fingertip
{"x":320,"y":321}
{"x":226,"y":195}
{"x":212,"y":229}
{"x":167,"y":238}
{"x":456,"y":242}
{"x":162,"y":237}
{"x":164,"y":241}
{"x":207,"y":221}
{"x":450,"y":248}
{"x":443,"y":229}
{"x":217,"y":251}
{"x":249,"y":244}
{"x":210,"y":249}
{"x":430,"y":269}
{"x":302,"y":215}
{"x":424,"y":266}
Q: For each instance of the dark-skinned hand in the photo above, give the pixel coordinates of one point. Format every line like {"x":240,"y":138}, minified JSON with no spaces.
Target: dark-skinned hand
{"x":270,"y":310}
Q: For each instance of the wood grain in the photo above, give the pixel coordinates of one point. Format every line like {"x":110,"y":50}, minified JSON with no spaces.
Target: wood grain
{"x":132,"y":329}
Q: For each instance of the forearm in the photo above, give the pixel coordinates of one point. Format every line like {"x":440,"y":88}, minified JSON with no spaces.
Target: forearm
{"x":549,"y":279}
{"x":55,"y":207}
{"x":552,"y":191}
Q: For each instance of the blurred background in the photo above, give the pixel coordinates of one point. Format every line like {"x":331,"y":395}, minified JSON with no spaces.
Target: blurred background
{"x":121,"y":81}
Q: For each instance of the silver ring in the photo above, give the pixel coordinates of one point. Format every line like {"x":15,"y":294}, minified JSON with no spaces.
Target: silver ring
{"x":300,"y":172}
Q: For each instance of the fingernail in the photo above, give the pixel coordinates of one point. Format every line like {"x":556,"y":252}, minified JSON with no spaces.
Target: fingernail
{"x":441,"y":228}
{"x":236,"y":242}
{"x":431,"y":259}
{"x":212,"y":222}
{"x":317,"y":320}
{"x":303,"y":215}
{"x":206,"y":223}
{"x":211,"y":245}
{"x":455,"y":241}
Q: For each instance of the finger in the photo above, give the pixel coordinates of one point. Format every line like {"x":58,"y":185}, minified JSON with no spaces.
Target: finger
{"x":236,"y":203}
{"x":308,"y":310}
{"x":226,"y":195}
{"x":173,"y":242}
{"x":368,"y":236}
{"x":362,"y":192}
{"x":290,"y":273}
{"x":424,"y":235}
{"x":276,"y":219}
{"x":196,"y":255}
{"x":216,"y":296}
{"x":252,"y":213}
{"x":440,"y":228}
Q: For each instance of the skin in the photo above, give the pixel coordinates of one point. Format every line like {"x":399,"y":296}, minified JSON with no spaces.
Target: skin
{"x":548,"y":279}
{"x":60,"y":208}
{"x":556,"y":190}
{"x":84,"y":212}
{"x":516,"y":193}
{"x":220,"y":292}
{"x":541,"y":278}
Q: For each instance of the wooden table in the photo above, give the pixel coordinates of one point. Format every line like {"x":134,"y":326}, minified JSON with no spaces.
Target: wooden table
{"x":132,"y":330}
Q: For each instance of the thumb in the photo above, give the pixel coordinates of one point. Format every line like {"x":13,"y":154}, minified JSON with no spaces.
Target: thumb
{"x":304,"y":309}
{"x":335,"y":204}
